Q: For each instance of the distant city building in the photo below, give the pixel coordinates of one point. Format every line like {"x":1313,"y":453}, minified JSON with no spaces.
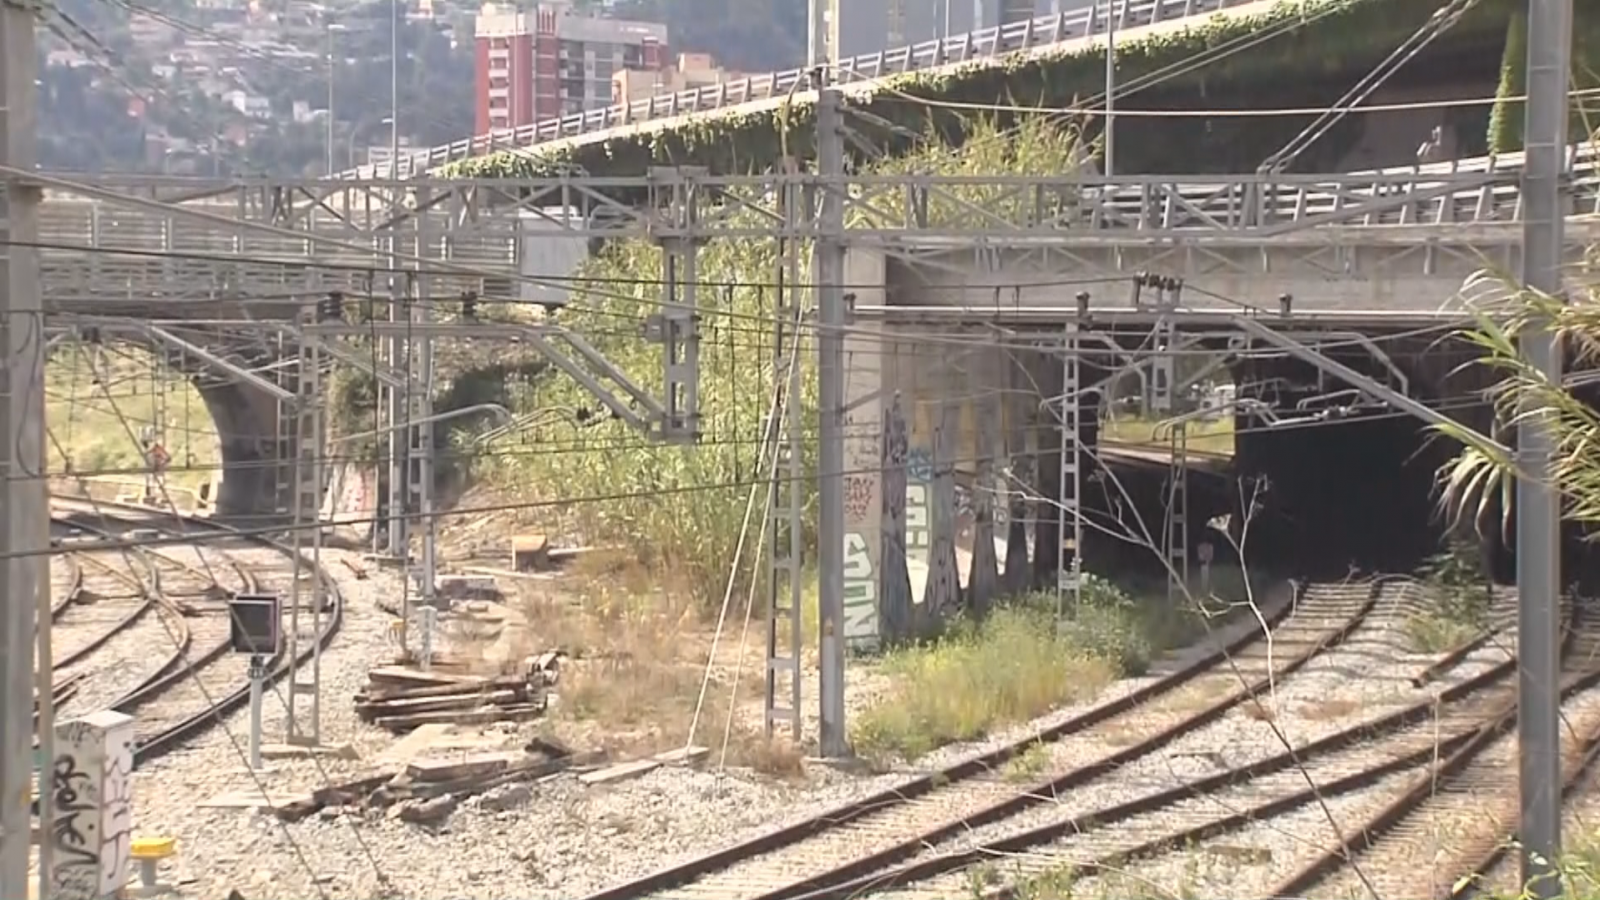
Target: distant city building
{"x":548,"y":61}
{"x":868,"y":26}
{"x":693,"y":70}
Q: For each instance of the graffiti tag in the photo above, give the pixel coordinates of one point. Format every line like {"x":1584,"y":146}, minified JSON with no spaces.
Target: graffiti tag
{"x":857,"y":496}
{"x":860,"y":593}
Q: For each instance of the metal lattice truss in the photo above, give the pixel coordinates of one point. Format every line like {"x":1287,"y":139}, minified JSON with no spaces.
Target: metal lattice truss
{"x":152,"y":240}
{"x":859,"y":75}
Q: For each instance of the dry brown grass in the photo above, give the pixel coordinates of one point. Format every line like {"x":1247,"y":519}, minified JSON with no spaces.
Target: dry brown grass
{"x":637,"y":644}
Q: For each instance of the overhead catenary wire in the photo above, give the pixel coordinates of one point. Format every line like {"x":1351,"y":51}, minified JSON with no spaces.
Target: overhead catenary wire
{"x":649,"y":493}
{"x":172,"y":508}
{"x":1438,"y":23}
{"x":775,"y":418}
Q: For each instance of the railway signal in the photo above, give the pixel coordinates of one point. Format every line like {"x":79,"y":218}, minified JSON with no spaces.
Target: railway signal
{"x":255,"y":623}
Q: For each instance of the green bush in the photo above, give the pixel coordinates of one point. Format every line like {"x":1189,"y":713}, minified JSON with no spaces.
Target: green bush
{"x":1018,"y":664}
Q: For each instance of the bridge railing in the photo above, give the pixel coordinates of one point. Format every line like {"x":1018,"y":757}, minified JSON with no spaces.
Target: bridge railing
{"x":489,"y":229}
{"x":482,"y":218}
{"x":987,"y":43}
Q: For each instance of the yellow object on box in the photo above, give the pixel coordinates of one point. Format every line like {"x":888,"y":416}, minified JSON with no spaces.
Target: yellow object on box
{"x":153,"y":847}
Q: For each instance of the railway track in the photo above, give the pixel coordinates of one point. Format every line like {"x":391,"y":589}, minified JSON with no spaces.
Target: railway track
{"x":873,"y":835}
{"x":180,"y":618}
{"x":1455,"y":820}
{"x":200,"y":681}
{"x":1104,"y":840}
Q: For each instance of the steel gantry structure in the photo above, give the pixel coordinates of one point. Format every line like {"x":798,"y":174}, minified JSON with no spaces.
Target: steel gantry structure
{"x":244,"y":253}
{"x":262,"y":254}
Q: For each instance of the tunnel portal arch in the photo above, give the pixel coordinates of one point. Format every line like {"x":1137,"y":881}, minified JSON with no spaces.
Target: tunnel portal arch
{"x":244,"y":416}
{"x":1341,"y":482}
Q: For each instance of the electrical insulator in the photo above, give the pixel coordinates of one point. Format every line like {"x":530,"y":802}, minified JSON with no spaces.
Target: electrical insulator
{"x":331,"y":307}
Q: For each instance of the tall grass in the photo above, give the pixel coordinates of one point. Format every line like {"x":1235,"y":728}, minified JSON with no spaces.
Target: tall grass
{"x":1016,"y":665}
{"x":682,"y":506}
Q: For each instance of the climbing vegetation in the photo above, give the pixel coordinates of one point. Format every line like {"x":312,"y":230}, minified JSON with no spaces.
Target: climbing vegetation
{"x":1506,"y":120}
{"x":1315,"y":51}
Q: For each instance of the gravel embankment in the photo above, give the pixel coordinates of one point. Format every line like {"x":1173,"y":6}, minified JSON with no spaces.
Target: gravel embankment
{"x":559,"y":839}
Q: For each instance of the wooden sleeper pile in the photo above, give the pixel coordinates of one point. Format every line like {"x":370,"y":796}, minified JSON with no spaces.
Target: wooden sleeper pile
{"x":400,"y":699}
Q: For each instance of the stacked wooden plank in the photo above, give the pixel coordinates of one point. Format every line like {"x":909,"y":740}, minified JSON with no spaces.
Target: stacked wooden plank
{"x":400,"y":699}
{"x":425,"y":792}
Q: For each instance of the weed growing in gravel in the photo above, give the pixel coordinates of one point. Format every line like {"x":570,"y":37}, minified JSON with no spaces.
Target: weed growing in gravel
{"x":1018,"y":664}
{"x":1029,"y":763}
{"x":1579,"y":868}
{"x":1458,"y":602}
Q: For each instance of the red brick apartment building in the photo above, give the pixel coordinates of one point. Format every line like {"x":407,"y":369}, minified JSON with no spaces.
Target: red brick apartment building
{"x":545,"y":61}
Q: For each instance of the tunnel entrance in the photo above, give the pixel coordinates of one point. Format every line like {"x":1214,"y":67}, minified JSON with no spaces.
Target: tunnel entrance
{"x":1142,"y":438}
{"x":153,"y":423}
{"x":1340,"y":482}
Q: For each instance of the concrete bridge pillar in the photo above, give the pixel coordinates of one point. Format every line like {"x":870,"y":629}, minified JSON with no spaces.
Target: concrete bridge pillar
{"x":246,"y":420}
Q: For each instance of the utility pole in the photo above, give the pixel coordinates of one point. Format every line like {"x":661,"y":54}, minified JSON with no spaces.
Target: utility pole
{"x":420,"y":411}
{"x":829,"y":273}
{"x":1538,"y":511}
{"x":399,"y":350}
{"x":1111,"y":84}
{"x":23,"y":514}
{"x":333,"y":69}
{"x":823,"y":44}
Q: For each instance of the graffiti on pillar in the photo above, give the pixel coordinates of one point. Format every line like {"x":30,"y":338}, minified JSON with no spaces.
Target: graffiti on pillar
{"x":894,"y":586}
{"x":75,"y":801}
{"x":1020,"y":468}
{"x":919,"y":465}
{"x":116,"y":810}
{"x":860,"y":593}
{"x":857,"y":496}
{"x":943,"y":594}
{"x":861,"y":444}
{"x":919,"y":521}
{"x":983,"y":581}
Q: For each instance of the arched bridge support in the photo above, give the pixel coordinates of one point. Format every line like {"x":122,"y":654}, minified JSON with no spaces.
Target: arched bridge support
{"x":226,"y":370}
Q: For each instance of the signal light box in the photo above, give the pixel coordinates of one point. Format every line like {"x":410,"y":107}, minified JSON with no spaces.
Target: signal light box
{"x":255,"y":623}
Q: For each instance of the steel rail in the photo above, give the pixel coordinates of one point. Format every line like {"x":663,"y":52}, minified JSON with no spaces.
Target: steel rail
{"x":1370,"y":833}
{"x":279,"y":665}
{"x":1468,"y":885}
{"x":148,"y":600}
{"x":846,"y":820}
{"x":1411,"y":736}
{"x":168,"y":672}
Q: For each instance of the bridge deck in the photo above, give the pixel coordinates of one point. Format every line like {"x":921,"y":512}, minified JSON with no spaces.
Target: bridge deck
{"x":126,"y":241}
{"x":1065,"y":32}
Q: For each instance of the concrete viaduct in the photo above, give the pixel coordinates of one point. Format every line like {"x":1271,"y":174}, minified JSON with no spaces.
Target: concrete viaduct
{"x":1149,"y":31}
{"x":1372,"y":261}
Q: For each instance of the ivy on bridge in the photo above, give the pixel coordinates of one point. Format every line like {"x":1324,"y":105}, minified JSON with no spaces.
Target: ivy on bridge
{"x":1307,"y":65}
